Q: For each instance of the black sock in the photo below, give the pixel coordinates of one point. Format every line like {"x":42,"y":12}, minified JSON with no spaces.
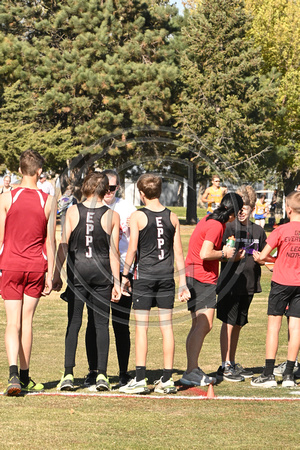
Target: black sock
{"x":13,"y":371}
{"x":140,"y":373}
{"x":289,"y":368}
{"x":270,"y":363}
{"x":167,"y":374}
{"x":68,"y":371}
{"x":103,"y":372}
{"x":24,"y":376}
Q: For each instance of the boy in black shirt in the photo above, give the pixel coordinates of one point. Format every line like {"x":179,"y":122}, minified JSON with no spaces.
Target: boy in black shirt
{"x":238,"y":282}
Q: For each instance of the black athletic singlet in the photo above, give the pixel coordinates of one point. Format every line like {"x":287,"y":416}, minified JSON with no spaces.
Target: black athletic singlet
{"x":88,"y":253}
{"x":155,"y":246}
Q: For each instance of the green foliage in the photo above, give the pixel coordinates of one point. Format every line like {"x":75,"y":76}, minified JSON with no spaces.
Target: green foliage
{"x":89,"y":68}
{"x":20,"y":130}
{"x":226,"y":105}
{"x":276,"y":30}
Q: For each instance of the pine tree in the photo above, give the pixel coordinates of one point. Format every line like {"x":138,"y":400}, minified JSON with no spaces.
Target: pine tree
{"x":226,"y":105}
{"x":89,"y":67}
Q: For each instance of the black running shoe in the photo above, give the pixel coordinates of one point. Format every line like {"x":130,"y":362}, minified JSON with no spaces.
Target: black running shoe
{"x":90,"y":379}
{"x":265,"y":381}
{"x":229,"y":373}
{"x":13,"y":387}
{"x":246,"y":373}
{"x":102,"y":383}
{"x":124,"y":379}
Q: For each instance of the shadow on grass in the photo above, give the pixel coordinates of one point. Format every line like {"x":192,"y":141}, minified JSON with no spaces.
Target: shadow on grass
{"x":152,"y":375}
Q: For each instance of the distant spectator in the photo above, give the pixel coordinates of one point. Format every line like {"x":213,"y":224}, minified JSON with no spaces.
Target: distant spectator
{"x":273,"y":208}
{"x":6,"y":184}
{"x":274,"y":201}
{"x":261,"y":211}
{"x":45,"y":185}
{"x":214,"y":194}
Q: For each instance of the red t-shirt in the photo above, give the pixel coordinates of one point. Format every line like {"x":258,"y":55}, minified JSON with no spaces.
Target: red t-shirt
{"x":204,"y":271}
{"x":25,"y":233}
{"x":287,"y":266}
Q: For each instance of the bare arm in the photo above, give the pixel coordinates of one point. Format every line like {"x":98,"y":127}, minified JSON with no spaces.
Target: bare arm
{"x":50,"y":212}
{"x":5,"y":204}
{"x":183,"y":292}
{"x":264,"y":255}
{"x":114,"y":255}
{"x":208,"y":252}
{"x":204,"y":198}
{"x":3,"y":213}
{"x":63,"y":248}
{"x":135,"y":219}
{"x":132,"y":249}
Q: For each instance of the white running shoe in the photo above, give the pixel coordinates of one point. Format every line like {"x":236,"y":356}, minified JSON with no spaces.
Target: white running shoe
{"x":135,"y":387}
{"x":165,"y":388}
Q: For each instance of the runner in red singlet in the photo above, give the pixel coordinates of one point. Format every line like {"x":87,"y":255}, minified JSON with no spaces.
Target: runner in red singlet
{"x":27,"y":248}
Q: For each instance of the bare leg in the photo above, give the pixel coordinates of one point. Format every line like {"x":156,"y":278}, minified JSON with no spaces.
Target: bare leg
{"x":234,"y":342}
{"x":166,"y":327}
{"x":225,"y":341}
{"x":274,"y":325}
{"x":201,"y":326}
{"x":13,"y":309}
{"x":141,"y":331}
{"x":294,"y":341}
{"x":28,"y":310}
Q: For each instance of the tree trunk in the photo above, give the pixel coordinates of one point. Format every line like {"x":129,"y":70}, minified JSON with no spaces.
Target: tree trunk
{"x":290,"y":180}
{"x":191,"y":210}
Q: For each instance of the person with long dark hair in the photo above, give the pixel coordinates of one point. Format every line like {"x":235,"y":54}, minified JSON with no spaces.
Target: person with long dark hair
{"x":91,"y":241}
{"x":202,"y":268}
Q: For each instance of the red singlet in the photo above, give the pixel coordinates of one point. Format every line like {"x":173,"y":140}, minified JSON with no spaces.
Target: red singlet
{"x":25,"y":232}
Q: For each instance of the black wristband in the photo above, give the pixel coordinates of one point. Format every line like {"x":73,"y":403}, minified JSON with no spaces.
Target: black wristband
{"x":125,"y":276}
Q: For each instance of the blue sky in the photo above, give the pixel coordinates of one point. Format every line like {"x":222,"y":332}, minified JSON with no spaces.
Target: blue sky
{"x":178,"y":4}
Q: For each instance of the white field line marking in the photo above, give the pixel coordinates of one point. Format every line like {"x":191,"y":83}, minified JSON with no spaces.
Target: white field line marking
{"x":162,"y":397}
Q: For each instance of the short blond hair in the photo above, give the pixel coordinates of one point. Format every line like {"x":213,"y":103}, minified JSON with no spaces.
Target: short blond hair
{"x":293,"y":201}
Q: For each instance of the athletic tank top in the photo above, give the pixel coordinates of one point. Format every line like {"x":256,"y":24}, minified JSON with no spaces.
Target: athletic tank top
{"x":88,"y":252}
{"x":155,"y":246}
{"x":2,"y":191}
{"x":260,"y":208}
{"x":214,"y":198}
{"x":24,"y":244}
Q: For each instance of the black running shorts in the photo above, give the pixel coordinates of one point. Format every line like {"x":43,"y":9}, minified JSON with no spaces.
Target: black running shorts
{"x":233,"y":309}
{"x":148,"y":293}
{"x":282,"y":296}
{"x":203,"y":295}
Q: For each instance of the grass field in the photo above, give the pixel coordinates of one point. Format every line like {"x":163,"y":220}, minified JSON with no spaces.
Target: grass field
{"x":97,"y":421}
